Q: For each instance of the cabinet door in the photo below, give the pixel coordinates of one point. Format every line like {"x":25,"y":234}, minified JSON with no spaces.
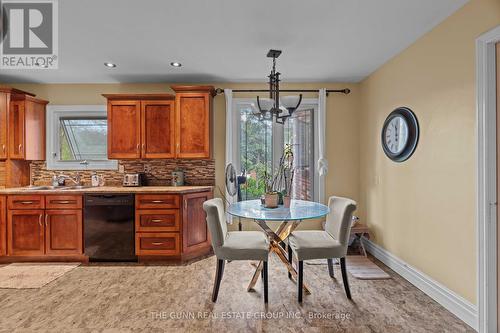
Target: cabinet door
{"x":193,"y":125}
{"x":4,"y":100}
{"x":16,"y":129}
{"x":158,"y":123}
{"x":63,"y":233}
{"x":124,"y":129}
{"x":25,"y":232}
{"x":3,"y":226}
{"x":195,"y":235}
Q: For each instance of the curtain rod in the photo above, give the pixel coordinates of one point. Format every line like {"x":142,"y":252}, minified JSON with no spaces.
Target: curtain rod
{"x":346,"y":91}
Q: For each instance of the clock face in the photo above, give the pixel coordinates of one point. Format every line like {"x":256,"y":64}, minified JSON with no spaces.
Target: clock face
{"x":400,"y":134}
{"x":396,"y":135}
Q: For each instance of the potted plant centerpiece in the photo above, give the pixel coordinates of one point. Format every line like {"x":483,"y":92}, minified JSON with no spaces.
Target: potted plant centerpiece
{"x":279,"y":186}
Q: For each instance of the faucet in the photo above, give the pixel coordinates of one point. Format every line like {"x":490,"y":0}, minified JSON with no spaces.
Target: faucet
{"x":77,"y":180}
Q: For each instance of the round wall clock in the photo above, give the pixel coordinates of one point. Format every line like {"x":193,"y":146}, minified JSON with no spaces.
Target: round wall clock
{"x":400,"y":134}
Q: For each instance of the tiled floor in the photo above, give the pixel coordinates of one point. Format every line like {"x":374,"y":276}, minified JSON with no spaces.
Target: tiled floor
{"x":130,"y":298}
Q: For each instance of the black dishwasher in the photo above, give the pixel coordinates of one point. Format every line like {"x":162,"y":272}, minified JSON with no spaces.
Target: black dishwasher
{"x":108,"y":227}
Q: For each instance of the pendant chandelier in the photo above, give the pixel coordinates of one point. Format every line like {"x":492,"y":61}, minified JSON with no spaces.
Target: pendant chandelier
{"x":279,"y":108}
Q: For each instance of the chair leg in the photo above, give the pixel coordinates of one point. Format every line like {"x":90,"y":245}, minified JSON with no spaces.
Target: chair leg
{"x":344,"y":278}
{"x":218,"y":279}
{"x":330,"y":267}
{"x":265,"y":279}
{"x":290,"y":257}
{"x":300,"y":280}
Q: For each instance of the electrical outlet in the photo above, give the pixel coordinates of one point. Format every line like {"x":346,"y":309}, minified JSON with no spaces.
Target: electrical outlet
{"x":121,"y":168}
{"x":147,"y":168}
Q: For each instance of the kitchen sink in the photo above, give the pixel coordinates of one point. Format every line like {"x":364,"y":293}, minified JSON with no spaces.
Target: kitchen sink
{"x":55,"y":188}
{"x":74,"y":187}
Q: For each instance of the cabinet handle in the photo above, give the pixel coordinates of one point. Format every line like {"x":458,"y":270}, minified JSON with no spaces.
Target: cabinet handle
{"x":157,"y":201}
{"x":63,"y":202}
{"x":143,"y":147}
{"x":40,"y":220}
{"x":156,"y":220}
{"x":26,"y":202}
{"x":3,"y":148}
{"x":185,"y":205}
{"x":157,"y":243}
{"x":138,"y":147}
{"x":46,"y":219}
{"x":19,"y":148}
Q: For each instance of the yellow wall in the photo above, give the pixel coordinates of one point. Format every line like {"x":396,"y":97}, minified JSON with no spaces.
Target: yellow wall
{"x":342,"y":117}
{"x":423,"y":210}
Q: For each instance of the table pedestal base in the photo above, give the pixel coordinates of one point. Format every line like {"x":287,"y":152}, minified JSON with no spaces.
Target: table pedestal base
{"x":275,"y":238}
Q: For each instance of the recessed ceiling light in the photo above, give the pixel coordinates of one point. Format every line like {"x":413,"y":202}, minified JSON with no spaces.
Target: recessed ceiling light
{"x":109,"y":64}
{"x":175,"y":64}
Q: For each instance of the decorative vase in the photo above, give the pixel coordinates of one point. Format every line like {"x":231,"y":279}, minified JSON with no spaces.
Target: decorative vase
{"x":271,"y":200}
{"x":286,"y":201}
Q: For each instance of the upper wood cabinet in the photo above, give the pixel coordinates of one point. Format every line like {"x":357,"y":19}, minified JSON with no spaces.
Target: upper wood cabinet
{"x":26,"y":130}
{"x":158,"y":120}
{"x":193,"y":106}
{"x":124,"y":129}
{"x":157,"y":126}
{"x":140,"y":126}
{"x":4,"y":106}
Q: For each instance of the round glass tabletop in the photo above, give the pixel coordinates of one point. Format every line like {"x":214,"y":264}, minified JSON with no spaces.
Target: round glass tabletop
{"x":299,"y":210}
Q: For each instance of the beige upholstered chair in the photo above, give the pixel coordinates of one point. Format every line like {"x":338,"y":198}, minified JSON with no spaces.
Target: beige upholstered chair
{"x":328,"y":244}
{"x":233,"y":245}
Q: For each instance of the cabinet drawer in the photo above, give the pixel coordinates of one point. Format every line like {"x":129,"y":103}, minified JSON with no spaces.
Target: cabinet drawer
{"x":156,"y":201}
{"x":25,"y":202}
{"x":63,"y":201}
{"x":157,"y":244}
{"x":157,"y":220}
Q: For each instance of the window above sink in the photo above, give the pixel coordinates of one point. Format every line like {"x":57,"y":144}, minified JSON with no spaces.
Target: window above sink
{"x":77,"y":138}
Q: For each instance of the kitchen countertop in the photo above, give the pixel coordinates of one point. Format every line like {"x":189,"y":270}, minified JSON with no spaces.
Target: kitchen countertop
{"x":107,"y":189}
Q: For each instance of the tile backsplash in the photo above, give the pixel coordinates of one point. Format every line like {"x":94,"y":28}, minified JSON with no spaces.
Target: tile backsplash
{"x":196,"y":172}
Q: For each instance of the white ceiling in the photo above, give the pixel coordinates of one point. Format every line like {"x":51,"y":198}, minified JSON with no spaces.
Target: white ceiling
{"x":227,"y":40}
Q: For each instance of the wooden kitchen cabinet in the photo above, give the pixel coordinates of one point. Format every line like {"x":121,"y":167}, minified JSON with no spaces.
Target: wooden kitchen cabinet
{"x":195,"y":234}
{"x":158,"y":125}
{"x":193,"y":107}
{"x":140,"y":126}
{"x":26,"y":234}
{"x":3,"y":225}
{"x":4,"y":106}
{"x":124,"y":129}
{"x":36,"y":232}
{"x":63,"y":232}
{"x":26,"y":130}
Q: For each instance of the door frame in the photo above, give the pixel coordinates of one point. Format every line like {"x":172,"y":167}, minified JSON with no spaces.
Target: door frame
{"x":486,"y":177}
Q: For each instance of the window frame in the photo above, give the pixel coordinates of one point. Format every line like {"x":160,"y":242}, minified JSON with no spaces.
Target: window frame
{"x":278,"y":142}
{"x":54,"y":114}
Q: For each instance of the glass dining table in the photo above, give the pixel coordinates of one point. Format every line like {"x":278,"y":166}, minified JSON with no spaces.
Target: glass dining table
{"x":288,"y":219}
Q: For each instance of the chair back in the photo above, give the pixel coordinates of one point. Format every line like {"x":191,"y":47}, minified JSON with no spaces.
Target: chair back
{"x":338,"y":221}
{"x":216,"y":220}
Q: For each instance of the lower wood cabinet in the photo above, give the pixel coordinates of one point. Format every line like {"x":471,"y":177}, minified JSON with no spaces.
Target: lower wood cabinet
{"x":171,"y":225}
{"x":195,"y":234}
{"x":63,"y":232}
{"x":165,"y":244}
{"x":26,"y":232}
{"x":44,"y":232}
{"x":3,"y":226}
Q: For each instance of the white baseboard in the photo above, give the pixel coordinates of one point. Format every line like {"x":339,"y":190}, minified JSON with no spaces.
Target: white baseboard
{"x":454,"y":303}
